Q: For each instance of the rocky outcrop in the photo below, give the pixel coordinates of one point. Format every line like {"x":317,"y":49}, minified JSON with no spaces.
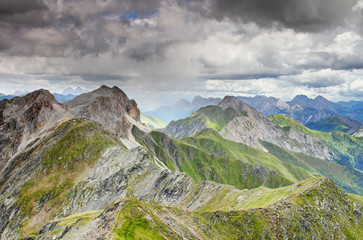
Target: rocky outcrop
{"x":25,"y":120}
{"x":111,"y":108}
{"x":359,"y":132}
{"x":254,"y":127}
{"x":267,"y":105}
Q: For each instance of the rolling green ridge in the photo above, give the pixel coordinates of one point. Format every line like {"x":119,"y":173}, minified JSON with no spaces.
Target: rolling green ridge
{"x":346,"y":177}
{"x":208,"y":156}
{"x":349,"y":150}
{"x":210,"y":141}
{"x":284,"y":213}
{"x":151,"y":121}
{"x":356,"y":198}
{"x":329,"y":125}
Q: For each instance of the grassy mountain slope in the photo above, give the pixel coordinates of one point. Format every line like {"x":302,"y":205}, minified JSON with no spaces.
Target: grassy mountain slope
{"x":208,"y":156}
{"x":207,"y":117}
{"x":56,"y":164}
{"x":329,"y":125}
{"x":336,"y":123}
{"x":346,"y":177}
{"x":294,"y":212}
{"x":210,"y":141}
{"x":348,"y":148}
{"x":152,"y":122}
{"x":236,"y":121}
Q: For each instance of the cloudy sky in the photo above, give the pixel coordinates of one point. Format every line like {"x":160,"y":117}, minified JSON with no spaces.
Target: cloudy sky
{"x":161,"y":50}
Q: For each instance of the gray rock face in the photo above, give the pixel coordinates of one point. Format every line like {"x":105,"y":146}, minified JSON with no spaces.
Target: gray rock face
{"x":109,"y":107}
{"x":359,"y":132}
{"x":249,"y":130}
{"x":24,"y":120}
{"x":267,"y":105}
{"x":318,"y":103}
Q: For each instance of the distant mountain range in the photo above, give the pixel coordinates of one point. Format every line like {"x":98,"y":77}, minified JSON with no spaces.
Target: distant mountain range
{"x":61,"y":98}
{"x":301,"y":108}
{"x":73,"y":91}
{"x":182,"y":108}
{"x":304,"y":109}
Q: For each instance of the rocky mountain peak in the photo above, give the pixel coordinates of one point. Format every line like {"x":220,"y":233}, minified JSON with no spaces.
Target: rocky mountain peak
{"x":301,"y":97}
{"x":24,"y":119}
{"x":321,"y":98}
{"x":109,"y":107}
{"x":197,"y":98}
{"x":33,"y":110}
{"x":234,"y":102}
{"x":39,"y":95}
{"x":230,"y":101}
{"x":182,"y":103}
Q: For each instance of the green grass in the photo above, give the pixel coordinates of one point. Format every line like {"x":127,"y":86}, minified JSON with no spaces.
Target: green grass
{"x":210,"y":141}
{"x":208,"y":156}
{"x":152,"y":122}
{"x":356,"y":198}
{"x":329,"y":125}
{"x":132,"y":224}
{"x":84,"y":216}
{"x":346,"y":177}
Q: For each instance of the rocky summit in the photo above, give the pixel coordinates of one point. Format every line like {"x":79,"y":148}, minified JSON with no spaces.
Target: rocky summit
{"x":25,"y":120}
{"x":90,"y":169}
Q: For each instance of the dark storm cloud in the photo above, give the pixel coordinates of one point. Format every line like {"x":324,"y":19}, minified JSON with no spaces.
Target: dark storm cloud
{"x":149,"y":51}
{"x":13,"y":7}
{"x":29,"y":13}
{"x":302,"y":15}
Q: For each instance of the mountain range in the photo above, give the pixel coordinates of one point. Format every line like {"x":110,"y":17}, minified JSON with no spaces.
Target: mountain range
{"x":90,"y":168}
{"x":61,"y":98}
{"x":301,"y":108}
